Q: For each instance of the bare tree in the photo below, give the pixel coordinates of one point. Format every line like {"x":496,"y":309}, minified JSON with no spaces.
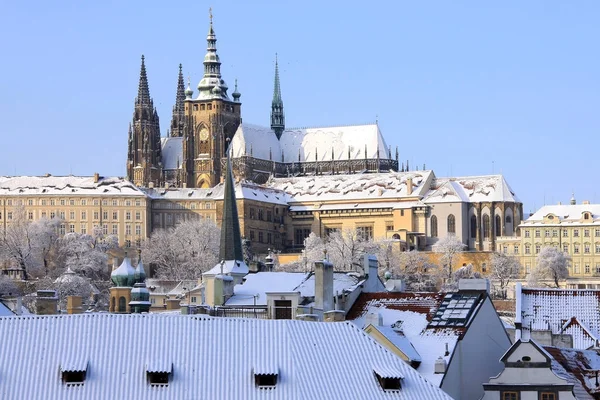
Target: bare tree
{"x":448,"y":248}
{"x":184,"y":251}
{"x":552,"y":264}
{"x":505,"y":268}
{"x":346,"y":248}
{"x":87,"y":254}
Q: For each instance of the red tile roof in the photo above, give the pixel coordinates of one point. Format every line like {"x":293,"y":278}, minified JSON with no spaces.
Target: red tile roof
{"x":419,"y":302}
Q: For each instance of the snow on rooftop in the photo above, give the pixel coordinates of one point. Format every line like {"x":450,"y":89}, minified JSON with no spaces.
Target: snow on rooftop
{"x":341,"y":282}
{"x":578,"y":367}
{"x":252,"y":290}
{"x":66,"y":185}
{"x":472,"y":189}
{"x":313,"y":360}
{"x":171,"y":152}
{"x":566,"y":213}
{"x":551,"y":309}
{"x":347,"y":187}
{"x":310,"y":144}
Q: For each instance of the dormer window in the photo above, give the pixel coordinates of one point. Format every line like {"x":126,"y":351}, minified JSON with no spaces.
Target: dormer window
{"x":586,"y":216}
{"x":388,"y":379}
{"x":266,"y":375}
{"x":265,"y":380}
{"x":74,"y":373}
{"x":159,"y":374}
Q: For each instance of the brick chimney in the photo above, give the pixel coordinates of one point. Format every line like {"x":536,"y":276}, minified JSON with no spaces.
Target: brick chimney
{"x":74,"y":305}
{"x":46,"y":302}
{"x":96,"y":177}
{"x":409,"y":186}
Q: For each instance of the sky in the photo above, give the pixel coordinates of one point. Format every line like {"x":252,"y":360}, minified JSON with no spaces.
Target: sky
{"x":466,"y":88}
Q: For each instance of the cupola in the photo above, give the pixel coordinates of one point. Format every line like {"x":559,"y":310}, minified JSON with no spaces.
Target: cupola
{"x":124,"y":275}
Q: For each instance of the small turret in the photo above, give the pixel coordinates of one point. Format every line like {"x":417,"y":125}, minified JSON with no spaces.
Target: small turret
{"x":124,"y":275}
{"x":140,"y":296}
{"x":236,"y":95}
{"x":573,"y":201}
{"x":188,"y":91}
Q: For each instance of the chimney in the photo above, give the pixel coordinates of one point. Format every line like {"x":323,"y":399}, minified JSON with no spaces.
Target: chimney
{"x":184,"y":185}
{"x":409,"y":186}
{"x":324,"y":286}
{"x":173,"y":304}
{"x":440,"y":366}
{"x":585,"y":202}
{"x":370,"y":266}
{"x":375,"y":319}
{"x":334,"y":316}
{"x":150,"y":185}
{"x":96,"y":177}
{"x":560,"y":203}
{"x":19,"y":306}
{"x":167,"y":185}
{"x":74,"y":305}
{"x":481,"y":285}
{"x":46,"y":302}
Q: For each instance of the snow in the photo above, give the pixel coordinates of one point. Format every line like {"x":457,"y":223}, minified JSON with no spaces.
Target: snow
{"x":238,"y":267}
{"x":255,"y":286}
{"x":172,"y":152}
{"x":473,"y":189}
{"x":311,"y":144}
{"x":400,"y":341}
{"x":348,"y":187}
{"x":66,"y":185}
{"x":566,"y":213}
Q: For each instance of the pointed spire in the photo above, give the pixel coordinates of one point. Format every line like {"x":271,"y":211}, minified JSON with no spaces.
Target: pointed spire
{"x":231,"y":239}
{"x":236,"y":95}
{"x":277,"y":115}
{"x":212,"y":69}
{"x":180,"y":97}
{"x":143,"y":90}
{"x":178,"y":109}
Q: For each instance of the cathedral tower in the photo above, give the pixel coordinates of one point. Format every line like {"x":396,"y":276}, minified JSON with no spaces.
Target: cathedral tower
{"x":177,"y":121}
{"x":211,"y":120}
{"x":144,"y":152}
{"x":277,"y":115}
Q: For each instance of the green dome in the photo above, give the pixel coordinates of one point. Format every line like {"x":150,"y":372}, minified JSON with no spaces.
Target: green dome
{"x":124,"y":275}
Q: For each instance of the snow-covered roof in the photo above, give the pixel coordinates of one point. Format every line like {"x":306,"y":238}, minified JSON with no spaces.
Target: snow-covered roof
{"x":376,"y":187}
{"x":566,"y":213}
{"x":341,"y":282}
{"x":243,"y":190}
{"x":471,"y":189}
{"x":66,"y":186}
{"x":237,"y":267}
{"x":214,"y":357}
{"x":172,"y":152}
{"x":398,"y":339}
{"x":310,"y":144}
{"x":252,"y":290}
{"x":554,"y":309}
{"x":578,"y":367}
{"x":410,"y":313}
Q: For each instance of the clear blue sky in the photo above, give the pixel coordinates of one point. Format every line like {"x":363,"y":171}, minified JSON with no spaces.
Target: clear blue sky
{"x":465,"y":87}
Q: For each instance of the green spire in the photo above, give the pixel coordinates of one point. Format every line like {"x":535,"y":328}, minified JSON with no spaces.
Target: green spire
{"x":212,"y":69}
{"x":277,"y":115}
{"x":231,"y":239}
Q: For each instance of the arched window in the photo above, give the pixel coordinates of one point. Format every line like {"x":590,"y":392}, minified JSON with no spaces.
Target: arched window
{"x":451,"y":224}
{"x":486,"y":226}
{"x":498,"y":226}
{"x":586,"y":216}
{"x":473,"y":226}
{"x":434,"y":231}
{"x":122,"y":304}
{"x":508,"y":219}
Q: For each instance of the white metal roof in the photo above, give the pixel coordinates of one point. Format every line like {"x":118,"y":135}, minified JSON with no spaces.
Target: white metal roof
{"x":210,"y":358}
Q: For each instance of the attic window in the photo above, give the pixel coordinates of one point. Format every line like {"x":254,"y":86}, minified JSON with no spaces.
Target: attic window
{"x":158,"y":378}
{"x":73,"y":377}
{"x":265,"y":380}
{"x":158,"y":374}
{"x":526,"y":358}
{"x":388,"y":383}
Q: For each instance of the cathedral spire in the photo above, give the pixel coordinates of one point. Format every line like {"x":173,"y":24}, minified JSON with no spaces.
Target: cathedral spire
{"x":178,"y":108}
{"x":212,"y":69}
{"x":231,"y":239}
{"x":277,"y":115}
{"x":143,"y":90}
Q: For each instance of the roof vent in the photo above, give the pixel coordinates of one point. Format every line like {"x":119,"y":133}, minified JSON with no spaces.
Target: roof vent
{"x":265,"y":375}
{"x":159,"y":375}
{"x":440,"y":366}
{"x":389,"y":379}
{"x":73,"y":374}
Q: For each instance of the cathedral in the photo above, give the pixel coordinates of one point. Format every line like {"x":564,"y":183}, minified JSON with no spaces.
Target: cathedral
{"x":207,"y":125}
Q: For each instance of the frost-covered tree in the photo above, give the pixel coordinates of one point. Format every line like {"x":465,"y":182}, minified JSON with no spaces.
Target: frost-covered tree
{"x":448,"y":248}
{"x":346,"y":248}
{"x":504,"y":269}
{"x":87,"y":255}
{"x":552,"y":264}
{"x":27,"y":244}
{"x":184,"y":251}
{"x":417,"y":271}
{"x":313,"y":248}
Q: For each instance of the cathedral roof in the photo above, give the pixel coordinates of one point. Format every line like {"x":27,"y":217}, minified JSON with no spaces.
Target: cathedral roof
{"x":471,"y":189}
{"x":320,"y":143}
{"x":172,"y":152}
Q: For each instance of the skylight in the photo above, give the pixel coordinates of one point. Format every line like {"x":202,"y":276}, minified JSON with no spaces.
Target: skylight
{"x":455,"y":310}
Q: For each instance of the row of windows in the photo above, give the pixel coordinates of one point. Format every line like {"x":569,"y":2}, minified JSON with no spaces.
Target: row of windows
{"x":576,"y":248}
{"x":586,"y":268}
{"x":263,"y":215}
{"x":450,"y":223}
{"x":183,"y":206}
{"x":565,"y":233}
{"x":262,"y":237}
{"x":72,"y":215}
{"x":71,"y":202}
{"x":209,"y":107}
{"x":62,"y":229}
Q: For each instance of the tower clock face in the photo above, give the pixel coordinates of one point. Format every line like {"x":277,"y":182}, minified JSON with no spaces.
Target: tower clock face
{"x":204,"y":134}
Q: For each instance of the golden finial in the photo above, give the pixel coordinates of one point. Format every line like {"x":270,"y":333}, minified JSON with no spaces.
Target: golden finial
{"x":210,"y":14}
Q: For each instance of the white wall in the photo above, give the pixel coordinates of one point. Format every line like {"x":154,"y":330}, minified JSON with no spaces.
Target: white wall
{"x":477,"y":356}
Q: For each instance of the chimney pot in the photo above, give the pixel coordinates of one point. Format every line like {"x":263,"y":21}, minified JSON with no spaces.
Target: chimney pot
{"x":96,"y":177}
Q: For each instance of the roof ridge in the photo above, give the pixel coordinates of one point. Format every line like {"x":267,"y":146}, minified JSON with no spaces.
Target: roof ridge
{"x":330,"y":126}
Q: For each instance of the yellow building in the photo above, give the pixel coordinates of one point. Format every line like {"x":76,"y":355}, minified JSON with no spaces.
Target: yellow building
{"x":574,"y":228}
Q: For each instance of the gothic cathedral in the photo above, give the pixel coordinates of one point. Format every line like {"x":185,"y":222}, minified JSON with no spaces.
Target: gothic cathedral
{"x":201,"y":129}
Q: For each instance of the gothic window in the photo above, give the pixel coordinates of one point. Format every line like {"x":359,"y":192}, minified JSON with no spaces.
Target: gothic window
{"x":434,"y":226}
{"x":486,"y":226}
{"x":473,"y":226}
{"x":508,"y":219}
{"x":498,"y":226}
{"x":451,"y":224}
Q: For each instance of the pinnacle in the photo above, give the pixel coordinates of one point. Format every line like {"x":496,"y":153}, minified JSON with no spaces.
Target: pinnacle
{"x":231,"y":239}
{"x":143,"y":90}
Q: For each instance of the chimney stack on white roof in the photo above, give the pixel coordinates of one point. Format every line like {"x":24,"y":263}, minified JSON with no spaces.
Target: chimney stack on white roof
{"x":370,"y":267}
{"x":440,"y":366}
{"x":150,"y":185}
{"x":373,"y":318}
{"x":474,"y":284}
{"x":409,"y":186}
{"x":96,"y":177}
{"x":324,"y":286}
{"x":585,"y":202}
